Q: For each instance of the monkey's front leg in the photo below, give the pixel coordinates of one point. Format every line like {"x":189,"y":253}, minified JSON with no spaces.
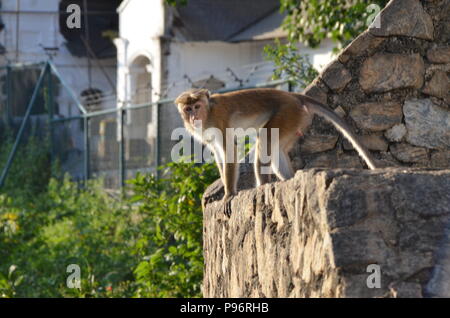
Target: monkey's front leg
{"x":227,"y":203}
{"x":231,"y":175}
{"x":219,"y":162}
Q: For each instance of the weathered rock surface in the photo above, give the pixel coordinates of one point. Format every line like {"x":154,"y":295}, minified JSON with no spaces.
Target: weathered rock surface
{"x":333,"y":160}
{"x":316,"y":234}
{"x":440,"y":159}
{"x":439,"y":54}
{"x":408,"y":57}
{"x":407,"y":153}
{"x":438,"y":85}
{"x":427,"y":124}
{"x":316,"y":90}
{"x":364,"y":43}
{"x":377,"y":116}
{"x":387,"y":71}
{"x":318,"y":143}
{"x":371,"y":142}
{"x":396,"y":133}
{"x":340,"y":111}
{"x":404,"y":18}
{"x":336,"y":76}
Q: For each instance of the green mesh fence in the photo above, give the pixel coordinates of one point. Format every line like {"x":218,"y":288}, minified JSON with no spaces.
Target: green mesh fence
{"x":111,"y":144}
{"x":24,"y":101}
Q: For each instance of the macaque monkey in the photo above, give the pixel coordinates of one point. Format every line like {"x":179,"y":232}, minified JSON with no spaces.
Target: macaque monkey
{"x":290,"y":113}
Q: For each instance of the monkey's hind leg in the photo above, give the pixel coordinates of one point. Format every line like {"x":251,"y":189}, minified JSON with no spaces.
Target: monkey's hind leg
{"x":261,"y":178}
{"x":282,"y":166}
{"x":276,"y":154}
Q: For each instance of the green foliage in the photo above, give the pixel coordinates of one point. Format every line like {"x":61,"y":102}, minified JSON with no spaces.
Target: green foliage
{"x":30,"y":171}
{"x":66,"y":225}
{"x":170,"y":244}
{"x":149,"y":245}
{"x":290,"y":64}
{"x":310,"y":22}
{"x":175,"y":3}
{"x":9,"y":283}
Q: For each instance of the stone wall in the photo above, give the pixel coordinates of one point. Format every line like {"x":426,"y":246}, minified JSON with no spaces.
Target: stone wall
{"x":392,"y":85}
{"x":316,"y":234}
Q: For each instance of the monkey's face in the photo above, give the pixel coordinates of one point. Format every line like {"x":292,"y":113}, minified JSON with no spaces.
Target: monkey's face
{"x":193,"y":106}
{"x":196,"y":113}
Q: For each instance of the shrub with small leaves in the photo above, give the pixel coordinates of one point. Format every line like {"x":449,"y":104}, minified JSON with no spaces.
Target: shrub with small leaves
{"x":290,"y":64}
{"x":171,"y":244}
{"x":311,"y":22}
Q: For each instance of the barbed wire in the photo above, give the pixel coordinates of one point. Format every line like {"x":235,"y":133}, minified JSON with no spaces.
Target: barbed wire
{"x":245,"y":74}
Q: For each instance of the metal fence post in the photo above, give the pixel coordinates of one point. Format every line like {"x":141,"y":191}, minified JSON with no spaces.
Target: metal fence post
{"x":8,"y":95}
{"x":121,"y":148}
{"x":67,"y":87}
{"x":86,"y":147}
{"x":158,"y":140}
{"x":50,"y":109}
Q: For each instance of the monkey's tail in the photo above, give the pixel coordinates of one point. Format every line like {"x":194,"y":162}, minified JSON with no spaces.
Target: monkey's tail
{"x":320,"y":109}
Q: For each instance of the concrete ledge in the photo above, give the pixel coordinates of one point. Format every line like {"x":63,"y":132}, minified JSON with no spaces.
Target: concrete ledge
{"x":316,"y":234}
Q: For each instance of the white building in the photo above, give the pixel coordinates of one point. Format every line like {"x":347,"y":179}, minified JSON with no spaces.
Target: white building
{"x":35,"y":30}
{"x":163,"y":50}
{"x":159,"y":52}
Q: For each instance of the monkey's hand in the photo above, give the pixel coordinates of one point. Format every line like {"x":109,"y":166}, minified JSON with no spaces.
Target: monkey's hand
{"x":227,"y":203}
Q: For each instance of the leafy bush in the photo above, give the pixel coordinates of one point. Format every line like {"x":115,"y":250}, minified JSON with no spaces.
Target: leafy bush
{"x":148,"y":246}
{"x":170,"y":243}
{"x":67,"y":225}
{"x":31,"y":169}
{"x":310,"y":22}
{"x":290,"y":64}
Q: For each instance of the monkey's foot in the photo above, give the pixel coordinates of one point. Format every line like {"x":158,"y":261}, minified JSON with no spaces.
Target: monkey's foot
{"x":227,"y":204}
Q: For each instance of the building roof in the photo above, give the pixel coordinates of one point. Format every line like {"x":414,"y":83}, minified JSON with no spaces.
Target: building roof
{"x":102,"y":17}
{"x":226,"y":20}
{"x":267,"y":28}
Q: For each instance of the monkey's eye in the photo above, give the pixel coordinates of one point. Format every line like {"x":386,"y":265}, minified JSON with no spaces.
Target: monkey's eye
{"x":188,"y":109}
{"x":197,"y":106}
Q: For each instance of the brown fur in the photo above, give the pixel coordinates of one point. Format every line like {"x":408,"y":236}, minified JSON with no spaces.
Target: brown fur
{"x":192,"y":96}
{"x":291,"y":113}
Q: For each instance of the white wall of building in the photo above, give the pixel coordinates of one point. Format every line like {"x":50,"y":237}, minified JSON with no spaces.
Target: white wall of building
{"x":141,"y":23}
{"x":320,"y":57}
{"x":38,"y":27}
{"x":139,"y":73}
{"x":199,"y":60}
{"x":141,"y":26}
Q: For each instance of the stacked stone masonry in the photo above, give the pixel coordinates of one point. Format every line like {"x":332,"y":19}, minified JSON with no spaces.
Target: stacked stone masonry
{"x":316,"y":234}
{"x":392,"y":85}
